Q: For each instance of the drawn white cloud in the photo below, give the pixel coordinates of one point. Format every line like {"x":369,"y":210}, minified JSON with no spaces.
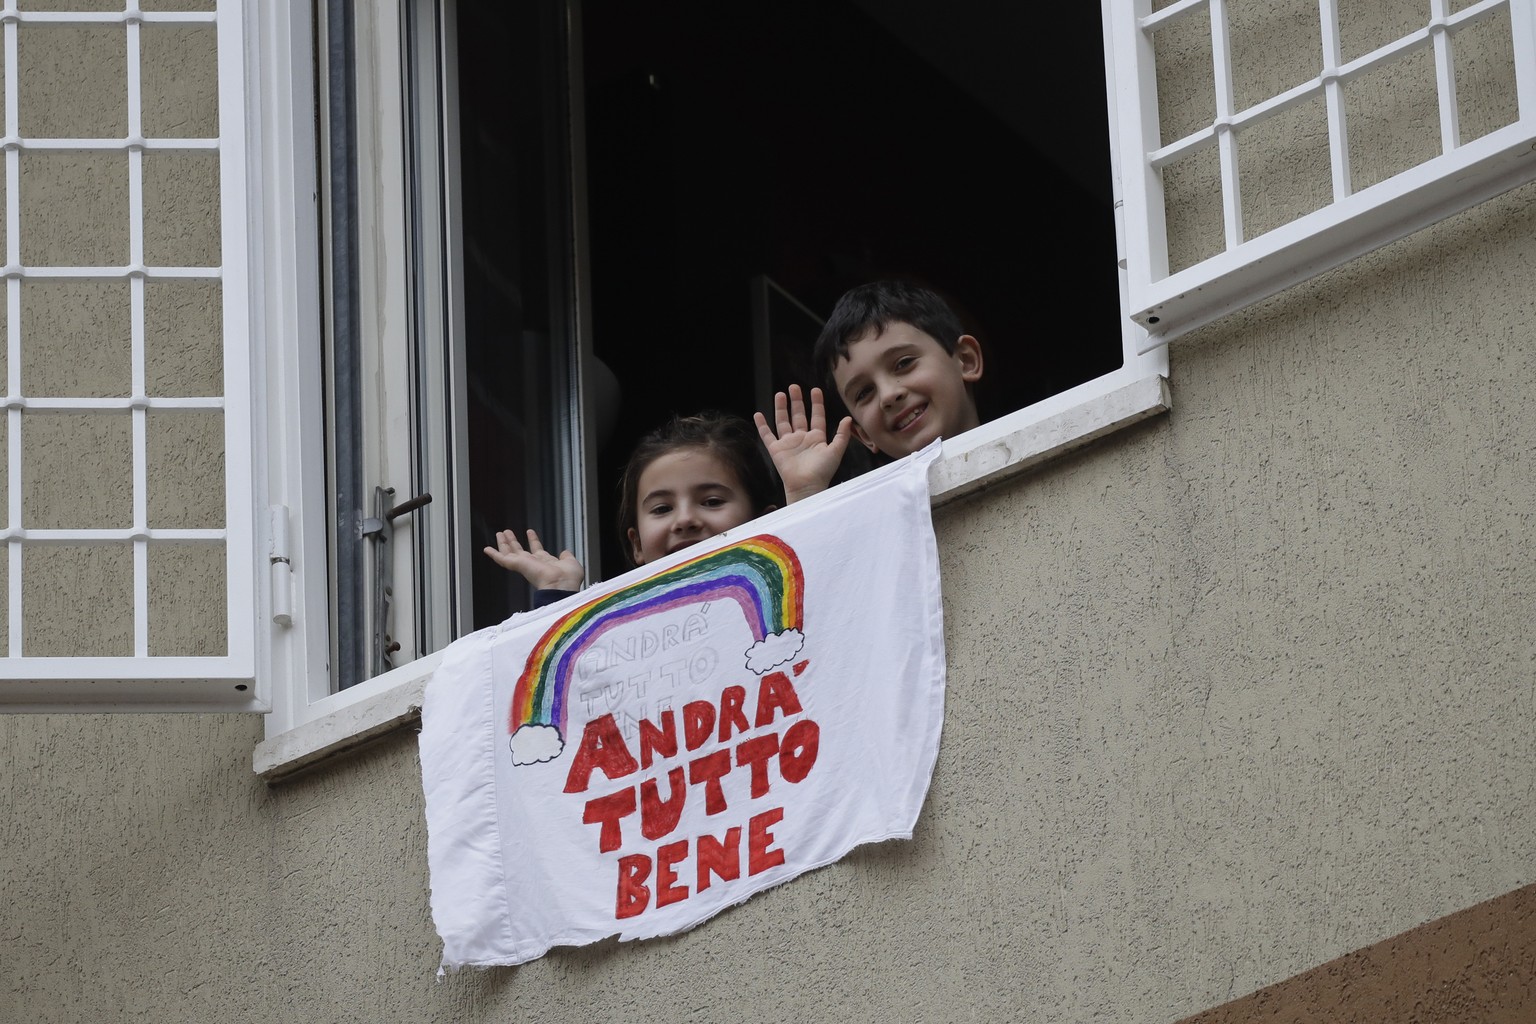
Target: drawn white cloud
{"x":774,"y":650}
{"x":534,"y":743}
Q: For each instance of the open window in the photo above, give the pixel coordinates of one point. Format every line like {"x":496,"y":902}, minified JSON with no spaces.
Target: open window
{"x":607,"y":211}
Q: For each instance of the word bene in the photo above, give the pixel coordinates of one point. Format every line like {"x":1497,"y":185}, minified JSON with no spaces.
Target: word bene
{"x":757,"y":752}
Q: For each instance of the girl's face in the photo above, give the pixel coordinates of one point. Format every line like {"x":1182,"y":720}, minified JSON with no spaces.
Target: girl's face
{"x":685,"y":496}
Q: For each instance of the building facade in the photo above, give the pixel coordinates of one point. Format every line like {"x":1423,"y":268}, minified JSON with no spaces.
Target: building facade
{"x":1240,"y":680}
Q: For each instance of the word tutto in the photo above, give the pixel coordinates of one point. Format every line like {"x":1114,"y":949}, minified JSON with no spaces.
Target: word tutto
{"x":603,"y":749}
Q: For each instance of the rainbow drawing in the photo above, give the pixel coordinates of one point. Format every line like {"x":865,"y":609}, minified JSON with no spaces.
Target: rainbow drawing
{"x":761,"y":574}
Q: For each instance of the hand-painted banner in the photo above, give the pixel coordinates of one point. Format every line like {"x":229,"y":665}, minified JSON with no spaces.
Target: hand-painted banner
{"x":659,"y":747}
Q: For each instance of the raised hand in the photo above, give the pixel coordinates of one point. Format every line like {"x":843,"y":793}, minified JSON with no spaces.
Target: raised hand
{"x":544,"y":570}
{"x":799,"y":447}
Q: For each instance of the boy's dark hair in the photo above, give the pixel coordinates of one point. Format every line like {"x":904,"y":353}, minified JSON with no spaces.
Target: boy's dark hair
{"x":731,"y":439}
{"x":871,"y":308}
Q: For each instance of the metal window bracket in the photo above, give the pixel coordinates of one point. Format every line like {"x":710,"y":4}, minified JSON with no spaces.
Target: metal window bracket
{"x":379,"y":530}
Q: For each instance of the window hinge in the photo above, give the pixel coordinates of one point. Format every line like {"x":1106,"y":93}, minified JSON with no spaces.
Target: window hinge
{"x":281,"y":569}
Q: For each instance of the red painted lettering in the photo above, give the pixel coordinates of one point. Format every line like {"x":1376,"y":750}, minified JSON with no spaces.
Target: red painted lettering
{"x":601,"y":747}
{"x":797,"y":754}
{"x":759,"y":857}
{"x":658,"y":818}
{"x":610,"y":810}
{"x":721,"y":859}
{"x":776,"y":692}
{"x":654,"y":741}
{"x":731,"y":714}
{"x":634,"y":894}
{"x":667,"y":891}
{"x":710,"y":769}
{"x":698,"y":722}
{"x":756,"y":752}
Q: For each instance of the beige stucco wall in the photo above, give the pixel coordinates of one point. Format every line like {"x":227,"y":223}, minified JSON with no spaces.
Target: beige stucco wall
{"x":1258,"y":694}
{"x":1231,"y":694}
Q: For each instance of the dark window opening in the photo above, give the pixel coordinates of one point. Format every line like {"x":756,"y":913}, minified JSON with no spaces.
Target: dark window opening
{"x":766,"y":156}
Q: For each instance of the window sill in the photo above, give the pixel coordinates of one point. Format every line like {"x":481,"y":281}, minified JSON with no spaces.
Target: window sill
{"x":380,"y":705}
{"x":983,"y":457}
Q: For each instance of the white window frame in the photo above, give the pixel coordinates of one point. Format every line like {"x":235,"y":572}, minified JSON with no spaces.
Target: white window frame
{"x":309,"y":724}
{"x":1169,"y":305}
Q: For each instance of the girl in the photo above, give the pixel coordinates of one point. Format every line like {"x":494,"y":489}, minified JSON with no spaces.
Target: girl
{"x":689,"y":480}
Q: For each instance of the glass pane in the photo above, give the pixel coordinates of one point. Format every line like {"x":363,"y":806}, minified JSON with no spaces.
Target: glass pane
{"x":187,"y":615}
{"x":1484,"y":58}
{"x":183,"y":339}
{"x":1392,"y":115}
{"x":77,"y":601}
{"x":74,"y":209}
{"x":181,"y":209}
{"x":75,"y":339}
{"x":76,"y":471}
{"x":73,"y":81}
{"x":1186,"y":76}
{"x":1283,"y":167}
{"x":185,"y":468}
{"x":180,"y":76}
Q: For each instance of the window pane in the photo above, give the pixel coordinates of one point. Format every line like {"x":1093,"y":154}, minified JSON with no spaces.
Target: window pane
{"x":516,"y":231}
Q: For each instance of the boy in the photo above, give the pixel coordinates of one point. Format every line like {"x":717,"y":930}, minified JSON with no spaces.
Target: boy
{"x":895,"y":354}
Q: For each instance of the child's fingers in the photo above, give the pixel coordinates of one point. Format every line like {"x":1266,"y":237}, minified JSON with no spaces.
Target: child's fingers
{"x":781,"y":412}
{"x":844,"y":434}
{"x":818,"y":410}
{"x":763,"y":432}
{"x":796,"y":408}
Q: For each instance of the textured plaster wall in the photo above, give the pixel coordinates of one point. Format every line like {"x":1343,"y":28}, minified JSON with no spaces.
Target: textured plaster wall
{"x":1231,"y":695}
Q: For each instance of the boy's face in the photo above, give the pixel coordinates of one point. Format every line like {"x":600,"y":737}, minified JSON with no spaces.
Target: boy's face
{"x":904,"y":390}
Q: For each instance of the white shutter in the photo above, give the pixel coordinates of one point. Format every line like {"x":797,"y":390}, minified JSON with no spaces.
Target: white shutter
{"x":171,"y":532}
{"x":1493,"y":41}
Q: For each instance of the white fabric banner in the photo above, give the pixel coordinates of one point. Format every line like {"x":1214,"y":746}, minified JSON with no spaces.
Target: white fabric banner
{"x":646,"y":753}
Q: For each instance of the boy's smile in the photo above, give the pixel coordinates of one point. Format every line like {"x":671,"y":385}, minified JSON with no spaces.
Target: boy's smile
{"x":904,"y":390}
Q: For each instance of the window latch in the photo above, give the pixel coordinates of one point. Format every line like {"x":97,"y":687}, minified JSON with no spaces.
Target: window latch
{"x":379,"y":530}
